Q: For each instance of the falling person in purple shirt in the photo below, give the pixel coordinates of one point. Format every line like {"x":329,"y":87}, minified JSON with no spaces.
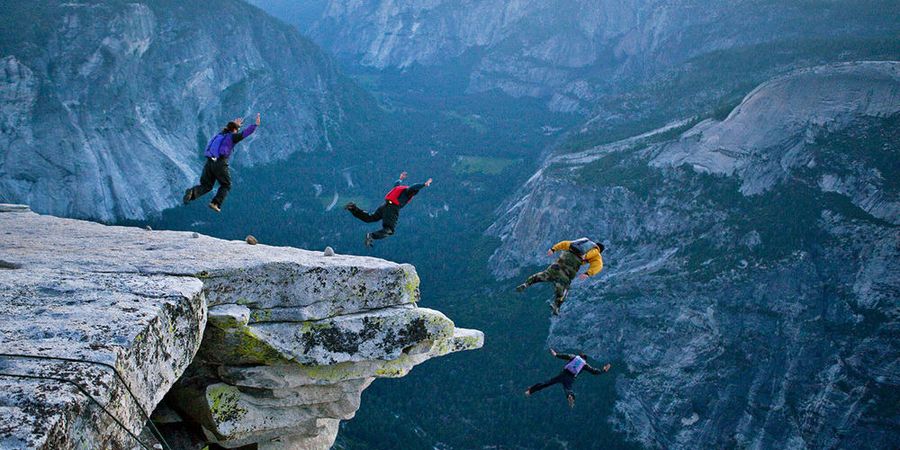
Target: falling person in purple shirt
{"x":216,"y":169}
{"x":575,"y":364}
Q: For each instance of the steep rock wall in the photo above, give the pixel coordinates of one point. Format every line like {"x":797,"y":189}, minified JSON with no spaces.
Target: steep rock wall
{"x":751,"y":273}
{"x":106,"y":107}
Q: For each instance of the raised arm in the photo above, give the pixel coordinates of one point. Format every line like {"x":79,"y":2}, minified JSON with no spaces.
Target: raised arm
{"x":561,"y":245}
{"x":238,"y":137}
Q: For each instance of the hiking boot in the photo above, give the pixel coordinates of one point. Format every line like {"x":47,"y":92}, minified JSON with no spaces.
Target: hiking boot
{"x":521,"y":287}
{"x":350,"y":206}
{"x":215,"y":207}
{"x":369,"y":241}
{"x":571,"y":399}
{"x":555,"y":308}
{"x":528,"y":392}
{"x":188,"y":196}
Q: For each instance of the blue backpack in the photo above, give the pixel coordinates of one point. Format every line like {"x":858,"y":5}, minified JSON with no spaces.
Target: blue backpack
{"x":215,"y":143}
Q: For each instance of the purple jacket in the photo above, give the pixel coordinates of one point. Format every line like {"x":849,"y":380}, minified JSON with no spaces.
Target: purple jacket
{"x":222,"y":144}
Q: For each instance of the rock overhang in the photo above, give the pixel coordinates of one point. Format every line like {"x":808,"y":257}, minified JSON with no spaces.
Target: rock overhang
{"x":284,"y":323}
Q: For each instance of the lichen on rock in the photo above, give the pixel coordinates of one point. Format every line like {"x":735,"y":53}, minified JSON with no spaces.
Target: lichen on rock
{"x":273,"y":382}
{"x":290,"y":340}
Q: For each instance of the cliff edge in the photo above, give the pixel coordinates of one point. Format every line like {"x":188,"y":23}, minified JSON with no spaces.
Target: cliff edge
{"x":248,"y":344}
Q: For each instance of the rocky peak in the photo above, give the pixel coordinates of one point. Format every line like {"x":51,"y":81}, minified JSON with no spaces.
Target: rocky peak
{"x":764,"y":138}
{"x":256,"y":344}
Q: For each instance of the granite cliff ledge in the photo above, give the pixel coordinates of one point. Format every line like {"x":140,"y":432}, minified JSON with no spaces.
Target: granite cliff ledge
{"x":248,"y":345}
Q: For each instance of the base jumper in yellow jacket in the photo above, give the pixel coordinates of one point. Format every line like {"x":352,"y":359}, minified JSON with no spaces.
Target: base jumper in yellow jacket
{"x":573,"y":255}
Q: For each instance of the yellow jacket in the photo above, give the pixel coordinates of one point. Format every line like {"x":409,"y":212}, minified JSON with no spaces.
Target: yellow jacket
{"x":592,"y":257}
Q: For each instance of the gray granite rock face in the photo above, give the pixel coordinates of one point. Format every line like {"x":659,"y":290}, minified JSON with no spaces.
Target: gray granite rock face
{"x":286,"y":384}
{"x":144,"y":85}
{"x":752,"y":266}
{"x":289,"y":342}
{"x":147,"y":326}
{"x":764,"y":152}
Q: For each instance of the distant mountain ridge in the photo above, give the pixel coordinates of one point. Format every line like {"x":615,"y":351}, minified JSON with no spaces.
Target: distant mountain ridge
{"x":105,"y":106}
{"x":570,"y":53}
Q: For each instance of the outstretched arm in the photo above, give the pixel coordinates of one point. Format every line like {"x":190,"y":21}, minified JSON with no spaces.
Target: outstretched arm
{"x":561,"y":245}
{"x":414,"y":189}
{"x":564,"y":356}
{"x":595,"y":371}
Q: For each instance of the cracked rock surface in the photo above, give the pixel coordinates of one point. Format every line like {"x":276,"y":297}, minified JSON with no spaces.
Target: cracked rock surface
{"x":289,"y":342}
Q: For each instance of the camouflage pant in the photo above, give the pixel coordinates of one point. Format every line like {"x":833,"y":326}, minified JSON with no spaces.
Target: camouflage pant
{"x":555,"y":275}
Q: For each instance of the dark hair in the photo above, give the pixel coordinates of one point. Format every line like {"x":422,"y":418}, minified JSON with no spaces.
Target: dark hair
{"x":231,"y":127}
{"x":583,"y":356}
{"x":600,"y":247}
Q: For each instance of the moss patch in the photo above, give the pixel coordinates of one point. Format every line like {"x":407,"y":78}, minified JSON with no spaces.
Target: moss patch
{"x":411,"y":288}
{"x":253,"y":348}
{"x":223,"y":401}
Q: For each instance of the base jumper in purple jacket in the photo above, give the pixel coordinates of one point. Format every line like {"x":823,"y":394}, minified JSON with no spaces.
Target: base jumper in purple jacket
{"x":575,"y":364}
{"x":216,"y":169}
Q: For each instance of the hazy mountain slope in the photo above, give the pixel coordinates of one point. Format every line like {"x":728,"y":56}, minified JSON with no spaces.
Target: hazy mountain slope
{"x":106,"y":106}
{"x":571,"y":53}
{"x":752,"y":267}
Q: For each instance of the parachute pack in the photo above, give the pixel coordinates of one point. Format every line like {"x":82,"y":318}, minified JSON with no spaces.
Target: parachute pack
{"x":580,"y":247}
{"x":575,"y":365}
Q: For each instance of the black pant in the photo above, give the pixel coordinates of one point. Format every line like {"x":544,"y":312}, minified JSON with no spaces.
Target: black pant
{"x":388,"y":214}
{"x":565,"y":377}
{"x":213,"y":171}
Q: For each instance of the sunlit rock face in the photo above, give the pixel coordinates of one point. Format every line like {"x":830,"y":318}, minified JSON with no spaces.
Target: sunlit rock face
{"x":752,"y":278}
{"x":106,"y":107}
{"x":269,"y":345}
{"x":566,"y":52}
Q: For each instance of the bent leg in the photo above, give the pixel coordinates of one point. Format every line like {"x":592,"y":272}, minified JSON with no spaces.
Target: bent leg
{"x":366,"y":217}
{"x":223,"y":176}
{"x":561,"y":288}
{"x":539,"y":277}
{"x":390,"y":214}
{"x":207,"y":180}
{"x":382,"y":233}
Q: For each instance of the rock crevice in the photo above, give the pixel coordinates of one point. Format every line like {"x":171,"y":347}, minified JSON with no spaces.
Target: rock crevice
{"x":247,"y":344}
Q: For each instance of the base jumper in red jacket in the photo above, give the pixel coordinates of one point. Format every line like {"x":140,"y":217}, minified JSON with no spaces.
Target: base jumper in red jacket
{"x":389,"y":211}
